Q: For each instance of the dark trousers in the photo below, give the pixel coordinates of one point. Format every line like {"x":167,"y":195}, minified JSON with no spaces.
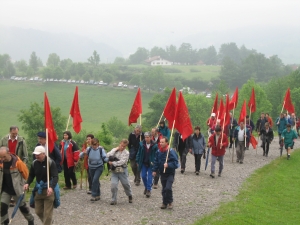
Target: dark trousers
{"x":136,"y":172}
{"x":197,"y":161}
{"x":166,"y":191}
{"x":266,"y":147}
{"x":156,"y":178}
{"x":69,"y":175}
{"x":230,"y":141}
{"x":182,"y":155}
{"x":89,"y":179}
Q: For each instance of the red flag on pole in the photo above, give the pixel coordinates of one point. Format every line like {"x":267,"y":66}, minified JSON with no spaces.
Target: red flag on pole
{"x":52,"y":136}
{"x":234,"y":101}
{"x":225,"y":120}
{"x":75,"y":112}
{"x":287,"y":103}
{"x":182,"y":119}
{"x":243,"y":113}
{"x":215,"y":106}
{"x":220,"y":110}
{"x":252,"y":102}
{"x":170,"y":108}
{"x":136,"y":109}
{"x":253,"y":141}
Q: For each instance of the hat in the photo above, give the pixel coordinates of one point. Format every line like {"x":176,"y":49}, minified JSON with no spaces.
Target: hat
{"x":41,"y":134}
{"x":148,"y":134}
{"x":38,"y":150}
{"x":213,"y":114}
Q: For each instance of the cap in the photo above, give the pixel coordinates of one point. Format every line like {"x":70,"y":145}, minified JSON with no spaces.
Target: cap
{"x":41,"y":134}
{"x":213,"y":114}
{"x":38,"y":150}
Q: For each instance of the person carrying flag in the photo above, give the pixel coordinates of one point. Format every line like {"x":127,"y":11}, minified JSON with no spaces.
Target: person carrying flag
{"x":232,"y":126}
{"x":268,"y":135}
{"x":288,"y":136}
{"x":239,"y":139}
{"x":156,"y":136}
{"x":211,"y":122}
{"x":281,"y":123}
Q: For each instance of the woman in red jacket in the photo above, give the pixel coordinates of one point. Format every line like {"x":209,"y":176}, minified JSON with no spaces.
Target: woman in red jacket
{"x":70,"y":155}
{"x":218,"y":143}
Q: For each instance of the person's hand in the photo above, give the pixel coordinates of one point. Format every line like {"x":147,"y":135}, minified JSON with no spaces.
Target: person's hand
{"x":153,"y":174}
{"x":191,"y":151}
{"x":49,"y":191}
{"x":110,"y":162}
{"x":204,"y":157}
{"x":25,"y":187}
{"x":75,"y":163}
{"x":166,"y":165}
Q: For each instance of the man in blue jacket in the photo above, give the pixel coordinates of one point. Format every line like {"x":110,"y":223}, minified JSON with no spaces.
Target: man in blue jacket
{"x":167,"y":176}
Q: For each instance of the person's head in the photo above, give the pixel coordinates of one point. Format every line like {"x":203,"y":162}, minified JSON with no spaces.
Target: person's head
{"x":67,"y":135}
{"x":281,"y":115}
{"x":247,"y":118}
{"x":147,"y":137}
{"x":288,"y":127}
{"x":5,"y":154}
{"x":89,"y":139}
{"x":41,"y":137}
{"x":242,"y":125}
{"x":39,"y":153}
{"x":262,"y":115}
{"x":230,"y":115}
{"x":13,"y":131}
{"x":138,"y":129}
{"x":267,"y":115}
{"x":218,"y":130}
{"x":212,"y":115}
{"x":95,"y":143}
{"x":197,"y":130}
{"x":293,"y":115}
{"x":218,"y":122}
{"x":267,"y":125}
{"x":284,"y":114}
{"x":163,"y":142}
{"x":123,"y":144}
{"x":154,"y":132}
{"x":162,"y":124}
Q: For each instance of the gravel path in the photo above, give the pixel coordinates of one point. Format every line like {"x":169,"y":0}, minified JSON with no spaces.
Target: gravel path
{"x":194,"y":196}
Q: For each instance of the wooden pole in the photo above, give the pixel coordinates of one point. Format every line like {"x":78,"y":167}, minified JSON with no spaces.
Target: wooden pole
{"x":250,"y":114}
{"x":282,"y":106}
{"x":68,"y":122}
{"x":141,"y":126}
{"x":222,"y":131}
{"x":245,"y":133}
{"x":47,"y":144}
{"x":232,"y":115}
{"x":169,"y":144}
{"x":160,"y":118}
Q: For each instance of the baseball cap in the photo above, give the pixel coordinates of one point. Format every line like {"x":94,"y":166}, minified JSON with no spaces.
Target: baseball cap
{"x":38,"y":150}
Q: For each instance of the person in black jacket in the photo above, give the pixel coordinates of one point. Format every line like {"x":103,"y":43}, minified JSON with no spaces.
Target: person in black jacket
{"x":183,"y":147}
{"x":231,"y":127}
{"x":268,"y":135}
{"x":134,"y":139}
{"x":261,"y":124}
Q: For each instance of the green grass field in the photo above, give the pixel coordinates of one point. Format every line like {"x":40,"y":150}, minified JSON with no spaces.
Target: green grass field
{"x":269,"y":196}
{"x":97,"y":104}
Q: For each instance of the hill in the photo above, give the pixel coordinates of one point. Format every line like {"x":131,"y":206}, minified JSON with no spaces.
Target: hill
{"x":97,"y":104}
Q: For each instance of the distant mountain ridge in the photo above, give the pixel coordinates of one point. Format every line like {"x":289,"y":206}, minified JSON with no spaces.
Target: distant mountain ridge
{"x":20,"y":43}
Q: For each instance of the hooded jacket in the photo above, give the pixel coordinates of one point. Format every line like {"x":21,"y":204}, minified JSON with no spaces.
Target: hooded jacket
{"x":21,"y":148}
{"x":141,"y":152}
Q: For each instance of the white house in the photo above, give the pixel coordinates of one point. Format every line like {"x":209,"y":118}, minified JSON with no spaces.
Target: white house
{"x":158,"y":61}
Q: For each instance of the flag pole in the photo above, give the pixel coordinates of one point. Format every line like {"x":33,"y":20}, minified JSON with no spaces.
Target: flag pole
{"x":245,"y":133}
{"x":160,"y":118}
{"x":68,"y":122}
{"x":282,"y":106}
{"x":232,"y":115}
{"x":141,"y":126}
{"x":222,"y":131}
{"x":170,"y":144}
{"x":250,"y":114}
{"x":47,"y":144}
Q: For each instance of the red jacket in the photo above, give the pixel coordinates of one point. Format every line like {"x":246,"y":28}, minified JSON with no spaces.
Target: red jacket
{"x":72,"y":153}
{"x":215,"y":144}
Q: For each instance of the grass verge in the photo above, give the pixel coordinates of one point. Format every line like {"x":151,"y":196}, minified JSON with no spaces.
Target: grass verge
{"x":269,"y":196}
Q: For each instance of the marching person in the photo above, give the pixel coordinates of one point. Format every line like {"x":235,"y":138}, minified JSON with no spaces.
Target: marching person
{"x":87,"y":144}
{"x":239,"y":139}
{"x":15,"y":143}
{"x":183,"y":147}
{"x":231,"y":127}
{"x":70,"y":155}
{"x":250,"y":123}
{"x":163,"y":129}
{"x":281,"y":123}
{"x":145,"y":159}
{"x":134,"y":139}
{"x":117,"y":159}
{"x":211,"y":122}
{"x":13,"y":176}
{"x":167,"y":177}
{"x":44,"y":197}
{"x":268,"y":135}
{"x":260,"y":123}
{"x":269,"y":120}
{"x":288,"y":136}
{"x":96,"y":158}
{"x":198,"y":148}
{"x":156,"y":136}
{"x":54,"y":155}
{"x":218,"y":142}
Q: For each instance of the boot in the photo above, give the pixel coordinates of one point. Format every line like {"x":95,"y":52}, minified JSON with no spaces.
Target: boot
{"x":31,"y":222}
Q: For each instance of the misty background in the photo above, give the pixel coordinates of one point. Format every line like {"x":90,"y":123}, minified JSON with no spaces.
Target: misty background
{"x":74,"y":29}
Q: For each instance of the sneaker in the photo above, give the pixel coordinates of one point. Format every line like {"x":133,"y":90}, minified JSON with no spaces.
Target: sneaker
{"x":148,"y":194}
{"x":130,"y":199}
{"x":66,"y":188}
{"x":113,"y":202}
{"x":219,"y":175}
{"x":182,"y":171}
{"x":93,"y":199}
{"x":241,"y":162}
{"x":74,"y":186}
{"x":170,"y":206}
{"x":145,"y":191}
{"x":31,"y":222}
{"x":288,"y":157}
{"x":197,"y":173}
{"x":163,"y":206}
{"x":97,"y":198}
{"x":137,"y":183}
{"x":155,"y":186}
{"x":237,"y":161}
{"x":89,"y":192}
{"x":212,"y":175}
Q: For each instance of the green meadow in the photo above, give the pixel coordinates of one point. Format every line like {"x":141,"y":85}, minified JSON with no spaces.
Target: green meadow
{"x":269,"y":196}
{"x":97,"y":104}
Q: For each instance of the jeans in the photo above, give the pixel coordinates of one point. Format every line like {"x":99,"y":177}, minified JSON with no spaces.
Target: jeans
{"x":69,"y":175}
{"x":213,"y":162}
{"x":166,"y":191}
{"x":197,"y":161}
{"x":95,"y":174}
{"x":147,"y":177}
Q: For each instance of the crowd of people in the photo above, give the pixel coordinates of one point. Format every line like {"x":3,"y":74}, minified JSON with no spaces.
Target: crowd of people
{"x":149,"y":155}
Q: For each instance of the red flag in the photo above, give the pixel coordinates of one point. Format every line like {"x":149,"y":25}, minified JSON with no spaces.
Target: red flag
{"x":243,"y":113}
{"x":234,"y":101}
{"x":52,"y":136}
{"x":136,"y":109}
{"x":170,"y":108}
{"x":253,"y":141}
{"x":252,"y":102}
{"x":220,"y":110}
{"x":215,"y":106}
{"x":75,"y":113}
{"x":225,"y":120}
{"x":182,"y":119}
{"x":287,"y":103}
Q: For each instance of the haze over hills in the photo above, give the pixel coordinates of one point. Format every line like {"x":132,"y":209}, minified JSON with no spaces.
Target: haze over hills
{"x":19,"y":43}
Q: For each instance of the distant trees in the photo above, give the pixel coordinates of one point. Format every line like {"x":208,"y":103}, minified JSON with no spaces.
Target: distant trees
{"x":139,"y":56}
{"x":33,"y":62}
{"x":94,"y":60}
{"x":53,"y":60}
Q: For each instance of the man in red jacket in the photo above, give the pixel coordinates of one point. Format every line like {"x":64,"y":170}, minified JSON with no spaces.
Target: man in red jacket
{"x":218,"y":142}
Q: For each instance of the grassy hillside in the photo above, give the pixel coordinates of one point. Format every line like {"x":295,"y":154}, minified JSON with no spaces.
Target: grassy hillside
{"x":97,"y":104}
